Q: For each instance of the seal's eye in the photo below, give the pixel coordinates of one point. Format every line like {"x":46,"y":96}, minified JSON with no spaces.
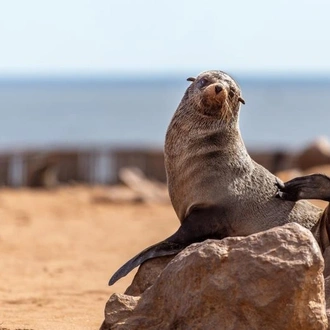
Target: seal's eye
{"x":231,"y":92}
{"x":203,"y":82}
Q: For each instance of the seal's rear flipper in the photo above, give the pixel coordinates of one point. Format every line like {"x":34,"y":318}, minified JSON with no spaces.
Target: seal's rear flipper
{"x":315,"y":186}
{"x":161,"y":249}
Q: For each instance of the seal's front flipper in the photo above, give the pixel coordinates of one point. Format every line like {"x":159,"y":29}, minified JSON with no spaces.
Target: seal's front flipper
{"x":315,"y":186}
{"x":158,"y":250}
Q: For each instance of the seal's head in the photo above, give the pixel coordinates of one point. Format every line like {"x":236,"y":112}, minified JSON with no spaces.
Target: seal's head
{"x":214,"y":94}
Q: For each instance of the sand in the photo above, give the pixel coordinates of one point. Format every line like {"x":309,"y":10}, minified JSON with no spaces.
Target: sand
{"x":58,"y":249}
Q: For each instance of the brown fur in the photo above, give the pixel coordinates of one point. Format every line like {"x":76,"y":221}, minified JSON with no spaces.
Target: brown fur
{"x":216,"y":189}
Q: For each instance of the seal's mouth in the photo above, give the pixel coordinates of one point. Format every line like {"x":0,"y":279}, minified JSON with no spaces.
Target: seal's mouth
{"x":214,"y":110}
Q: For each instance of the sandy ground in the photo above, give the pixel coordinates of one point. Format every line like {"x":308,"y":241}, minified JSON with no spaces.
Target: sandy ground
{"x":58,"y":250}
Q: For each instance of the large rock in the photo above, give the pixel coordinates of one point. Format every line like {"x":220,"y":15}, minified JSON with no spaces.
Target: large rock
{"x":270,"y":280}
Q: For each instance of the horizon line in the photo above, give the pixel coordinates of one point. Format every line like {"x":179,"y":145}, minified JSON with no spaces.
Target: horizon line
{"x":162,"y":77}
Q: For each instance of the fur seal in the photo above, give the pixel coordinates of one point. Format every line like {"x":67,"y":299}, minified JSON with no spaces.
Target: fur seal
{"x":216,"y":189}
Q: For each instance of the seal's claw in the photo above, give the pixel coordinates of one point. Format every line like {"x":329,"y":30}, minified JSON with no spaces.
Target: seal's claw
{"x":285,"y":191}
{"x":285,"y":196}
{"x":280,"y":189}
{"x":279,"y":184}
{"x":279,"y":194}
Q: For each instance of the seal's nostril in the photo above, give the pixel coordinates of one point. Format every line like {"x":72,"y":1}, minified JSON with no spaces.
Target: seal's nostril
{"x":218,"y":89}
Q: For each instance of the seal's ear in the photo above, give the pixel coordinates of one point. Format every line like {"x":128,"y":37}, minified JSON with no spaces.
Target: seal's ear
{"x":241,"y":100}
{"x":191,"y":79}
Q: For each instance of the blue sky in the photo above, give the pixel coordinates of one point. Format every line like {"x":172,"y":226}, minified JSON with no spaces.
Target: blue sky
{"x":156,"y":37}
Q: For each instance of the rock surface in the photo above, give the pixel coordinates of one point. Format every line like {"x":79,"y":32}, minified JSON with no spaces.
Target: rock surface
{"x":269,"y":280}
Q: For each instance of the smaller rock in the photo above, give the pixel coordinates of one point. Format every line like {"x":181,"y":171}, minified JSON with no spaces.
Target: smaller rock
{"x":121,"y":307}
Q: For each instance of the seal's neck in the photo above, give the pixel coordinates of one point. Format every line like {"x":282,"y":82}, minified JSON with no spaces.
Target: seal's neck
{"x":222,"y":138}
{"x":199,"y":135}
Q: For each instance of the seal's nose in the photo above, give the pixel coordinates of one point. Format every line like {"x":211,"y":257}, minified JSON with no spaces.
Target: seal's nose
{"x":218,"y":89}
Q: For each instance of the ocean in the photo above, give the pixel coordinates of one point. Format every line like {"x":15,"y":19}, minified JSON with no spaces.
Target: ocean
{"x":88,"y":112}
